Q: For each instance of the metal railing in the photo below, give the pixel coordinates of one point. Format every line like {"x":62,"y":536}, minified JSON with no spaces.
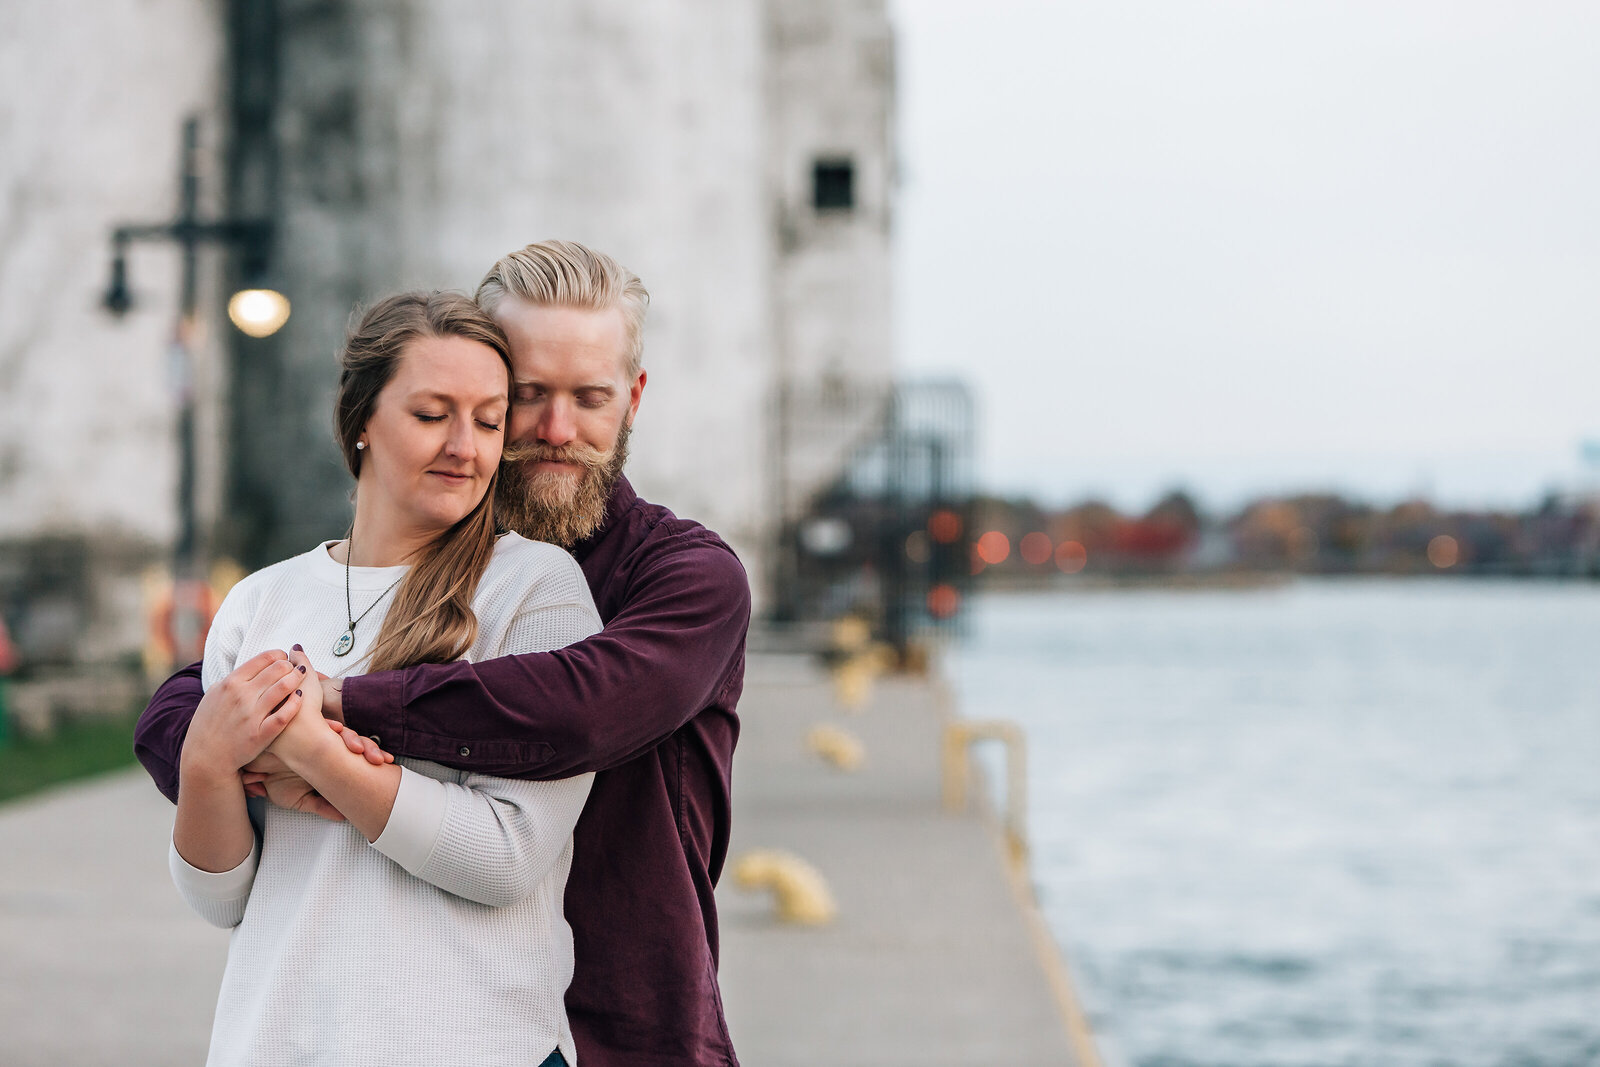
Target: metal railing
{"x":959,"y":737}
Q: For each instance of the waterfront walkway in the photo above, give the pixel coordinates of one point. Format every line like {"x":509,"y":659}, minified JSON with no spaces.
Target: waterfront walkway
{"x":932,"y":960}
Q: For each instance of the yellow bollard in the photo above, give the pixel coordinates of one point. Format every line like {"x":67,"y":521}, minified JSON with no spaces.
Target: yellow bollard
{"x":800,"y":891}
{"x":839,"y":747}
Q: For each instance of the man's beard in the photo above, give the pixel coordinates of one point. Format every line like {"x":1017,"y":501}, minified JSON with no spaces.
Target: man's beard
{"x":552,"y":505}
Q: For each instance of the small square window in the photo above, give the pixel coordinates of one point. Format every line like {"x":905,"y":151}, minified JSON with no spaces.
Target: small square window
{"x":833,"y":185}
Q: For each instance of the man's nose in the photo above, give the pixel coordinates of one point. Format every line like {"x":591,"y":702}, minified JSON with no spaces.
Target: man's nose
{"x":558,"y":426}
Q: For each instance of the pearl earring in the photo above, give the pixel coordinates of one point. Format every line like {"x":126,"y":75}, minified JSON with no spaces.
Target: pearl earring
{"x":360,"y":445}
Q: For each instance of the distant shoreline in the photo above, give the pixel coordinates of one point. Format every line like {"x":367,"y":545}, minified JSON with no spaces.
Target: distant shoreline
{"x":1241,"y":581}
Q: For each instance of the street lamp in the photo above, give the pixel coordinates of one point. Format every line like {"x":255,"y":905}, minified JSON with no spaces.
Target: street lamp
{"x":258,"y":312}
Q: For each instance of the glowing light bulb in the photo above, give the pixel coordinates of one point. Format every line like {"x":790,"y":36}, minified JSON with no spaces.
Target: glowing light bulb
{"x":259,"y":312}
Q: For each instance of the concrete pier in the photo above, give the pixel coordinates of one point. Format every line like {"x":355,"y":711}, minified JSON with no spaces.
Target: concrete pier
{"x":932,"y":959}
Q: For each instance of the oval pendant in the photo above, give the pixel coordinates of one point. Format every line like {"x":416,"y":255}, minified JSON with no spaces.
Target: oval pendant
{"x":346,"y":642}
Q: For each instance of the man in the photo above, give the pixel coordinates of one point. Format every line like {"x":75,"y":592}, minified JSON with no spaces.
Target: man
{"x":648,"y":702}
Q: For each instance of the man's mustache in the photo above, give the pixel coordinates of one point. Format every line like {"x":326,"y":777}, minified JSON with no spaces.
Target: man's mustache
{"x":577,"y":453}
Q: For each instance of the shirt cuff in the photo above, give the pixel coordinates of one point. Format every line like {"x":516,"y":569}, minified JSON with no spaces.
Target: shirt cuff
{"x":415,"y":821}
{"x":210,"y":885}
{"x":372,"y":707}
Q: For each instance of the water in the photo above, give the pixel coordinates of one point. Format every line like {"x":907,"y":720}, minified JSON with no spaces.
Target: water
{"x":1329,"y":823}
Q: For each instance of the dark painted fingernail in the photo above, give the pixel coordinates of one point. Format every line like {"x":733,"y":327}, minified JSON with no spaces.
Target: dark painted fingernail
{"x":297,"y":648}
{"x":299,"y":668}
{"x":298,"y":693}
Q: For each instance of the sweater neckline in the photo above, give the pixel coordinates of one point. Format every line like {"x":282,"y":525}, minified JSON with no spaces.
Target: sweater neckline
{"x":368,"y":579}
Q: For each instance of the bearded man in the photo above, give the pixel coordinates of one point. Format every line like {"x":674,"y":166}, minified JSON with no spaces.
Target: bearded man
{"x":648,"y":702}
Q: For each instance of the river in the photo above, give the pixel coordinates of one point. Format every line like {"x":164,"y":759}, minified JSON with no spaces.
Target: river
{"x":1329,"y":823}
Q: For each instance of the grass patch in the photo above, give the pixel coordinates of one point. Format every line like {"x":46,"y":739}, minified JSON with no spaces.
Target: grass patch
{"x":76,"y":749}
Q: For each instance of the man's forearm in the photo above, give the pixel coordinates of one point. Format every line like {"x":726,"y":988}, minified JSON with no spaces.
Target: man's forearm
{"x":158,"y":737}
{"x":588,"y":707}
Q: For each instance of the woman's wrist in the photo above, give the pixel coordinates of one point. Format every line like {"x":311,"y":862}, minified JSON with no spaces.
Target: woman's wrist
{"x":306,"y":750}
{"x":197,"y":769}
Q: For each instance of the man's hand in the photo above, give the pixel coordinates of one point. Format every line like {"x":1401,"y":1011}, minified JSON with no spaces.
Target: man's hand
{"x":332,"y":697}
{"x":333,"y":711}
{"x":362,"y":746}
{"x":287,"y":789}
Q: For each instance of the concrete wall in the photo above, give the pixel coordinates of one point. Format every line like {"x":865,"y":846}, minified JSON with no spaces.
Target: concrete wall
{"x":416,"y":141}
{"x":831,"y":93}
{"x":90,"y":115}
{"x":422,"y":142}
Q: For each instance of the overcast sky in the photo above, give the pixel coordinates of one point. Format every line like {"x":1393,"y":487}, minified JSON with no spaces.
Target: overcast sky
{"x":1257,"y":246}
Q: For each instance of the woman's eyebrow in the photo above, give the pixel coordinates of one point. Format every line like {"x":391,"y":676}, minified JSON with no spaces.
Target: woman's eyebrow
{"x":450,"y":398}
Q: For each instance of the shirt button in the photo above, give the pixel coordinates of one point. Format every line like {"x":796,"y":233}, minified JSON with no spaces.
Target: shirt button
{"x":463,"y":751}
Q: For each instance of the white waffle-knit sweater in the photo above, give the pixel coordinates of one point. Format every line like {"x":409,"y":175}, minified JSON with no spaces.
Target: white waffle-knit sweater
{"x":442,"y":942}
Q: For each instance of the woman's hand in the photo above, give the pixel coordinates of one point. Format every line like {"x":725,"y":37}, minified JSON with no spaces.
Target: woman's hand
{"x":241,"y":715}
{"x":308,"y":734}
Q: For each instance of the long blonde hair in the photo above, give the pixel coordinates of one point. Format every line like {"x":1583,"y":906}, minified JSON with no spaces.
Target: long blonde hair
{"x":431,"y":619}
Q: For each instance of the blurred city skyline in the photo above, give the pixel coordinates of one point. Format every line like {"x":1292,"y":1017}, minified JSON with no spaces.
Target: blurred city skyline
{"x":1247,"y":248}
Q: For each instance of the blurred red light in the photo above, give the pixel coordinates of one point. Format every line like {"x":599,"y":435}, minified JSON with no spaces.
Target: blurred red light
{"x":1071,"y":557}
{"x":994,"y":547}
{"x":944,"y":526}
{"x":943,"y":600}
{"x":1036,"y":548}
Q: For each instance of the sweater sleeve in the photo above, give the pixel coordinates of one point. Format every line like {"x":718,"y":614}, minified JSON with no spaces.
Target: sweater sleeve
{"x":664,"y":656}
{"x":219,"y":899}
{"x":492,"y":839}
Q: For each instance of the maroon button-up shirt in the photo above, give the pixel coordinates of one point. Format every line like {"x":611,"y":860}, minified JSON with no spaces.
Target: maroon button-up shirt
{"x":648,"y":703}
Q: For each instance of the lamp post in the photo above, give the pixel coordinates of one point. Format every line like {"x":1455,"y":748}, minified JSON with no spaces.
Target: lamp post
{"x":256,"y":311}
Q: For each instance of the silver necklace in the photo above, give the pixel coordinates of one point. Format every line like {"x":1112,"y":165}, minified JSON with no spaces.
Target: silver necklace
{"x":347,"y":640}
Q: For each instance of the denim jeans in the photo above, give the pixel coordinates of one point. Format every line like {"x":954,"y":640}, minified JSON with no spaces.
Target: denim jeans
{"x":555,"y":1059}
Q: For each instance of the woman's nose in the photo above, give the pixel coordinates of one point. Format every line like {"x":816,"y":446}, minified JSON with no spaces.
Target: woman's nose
{"x":461,"y":442}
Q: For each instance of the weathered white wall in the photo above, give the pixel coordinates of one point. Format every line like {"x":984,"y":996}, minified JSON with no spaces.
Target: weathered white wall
{"x":831,"y":93}
{"x":424,"y":140}
{"x":90,"y":115}
{"x":635,"y":126}
{"x":91,"y":107}
{"x":419,"y":140}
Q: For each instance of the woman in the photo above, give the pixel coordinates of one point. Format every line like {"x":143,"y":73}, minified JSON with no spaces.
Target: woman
{"x":427,"y":928}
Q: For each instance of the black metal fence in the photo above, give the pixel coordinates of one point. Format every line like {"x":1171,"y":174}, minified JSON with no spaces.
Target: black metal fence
{"x":887,"y":537}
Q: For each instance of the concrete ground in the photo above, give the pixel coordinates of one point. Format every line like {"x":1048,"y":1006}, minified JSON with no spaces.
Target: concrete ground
{"x":930,"y":961}
{"x":100,"y":962}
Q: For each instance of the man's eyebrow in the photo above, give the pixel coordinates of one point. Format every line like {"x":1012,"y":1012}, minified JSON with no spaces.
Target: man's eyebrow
{"x":593,"y":387}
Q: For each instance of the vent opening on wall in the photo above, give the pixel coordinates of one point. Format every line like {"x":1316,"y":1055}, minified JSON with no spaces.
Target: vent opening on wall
{"x":833,"y":184}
